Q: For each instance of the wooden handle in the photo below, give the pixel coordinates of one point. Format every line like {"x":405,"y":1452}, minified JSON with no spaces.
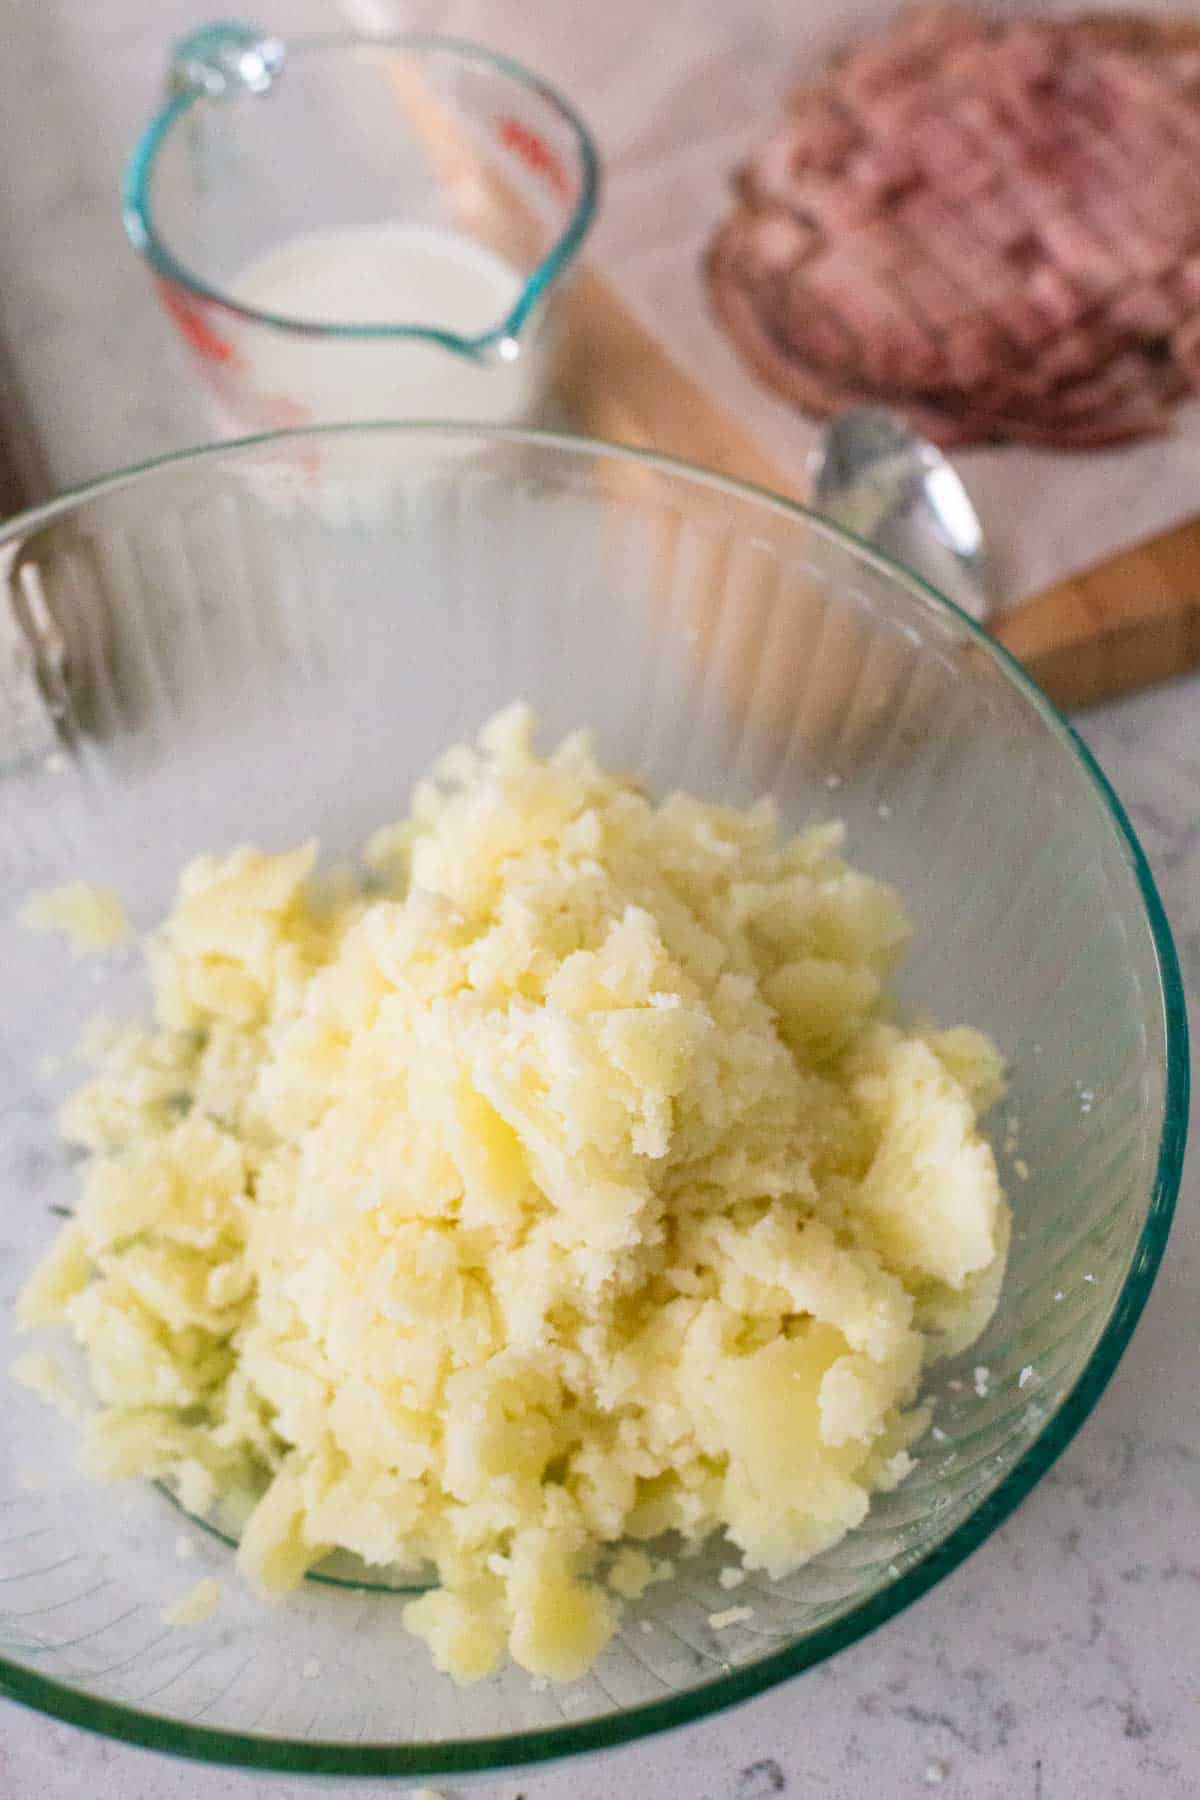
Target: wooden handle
{"x":1132,"y":620}
{"x":618,"y":382}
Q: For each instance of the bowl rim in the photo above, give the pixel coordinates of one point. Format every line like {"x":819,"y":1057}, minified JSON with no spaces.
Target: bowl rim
{"x":512,"y":1750}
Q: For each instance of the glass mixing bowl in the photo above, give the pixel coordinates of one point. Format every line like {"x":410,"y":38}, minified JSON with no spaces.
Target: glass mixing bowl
{"x":272,"y":639}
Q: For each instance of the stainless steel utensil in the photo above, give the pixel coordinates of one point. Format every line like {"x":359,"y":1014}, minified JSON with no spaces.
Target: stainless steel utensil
{"x":876,"y":477}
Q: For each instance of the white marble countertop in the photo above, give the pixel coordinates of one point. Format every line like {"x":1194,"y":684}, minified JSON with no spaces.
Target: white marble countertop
{"x":1062,"y":1662}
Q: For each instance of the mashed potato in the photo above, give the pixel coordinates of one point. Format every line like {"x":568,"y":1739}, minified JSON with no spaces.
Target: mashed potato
{"x":570,"y":1187}
{"x":91,"y":918}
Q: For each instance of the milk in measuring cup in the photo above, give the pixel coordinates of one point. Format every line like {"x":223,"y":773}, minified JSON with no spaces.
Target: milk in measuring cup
{"x":378,"y":275}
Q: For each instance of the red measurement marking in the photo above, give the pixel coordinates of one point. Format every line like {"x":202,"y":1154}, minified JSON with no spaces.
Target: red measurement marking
{"x":191,"y":320}
{"x":281,"y":414}
{"x":534,"y":152}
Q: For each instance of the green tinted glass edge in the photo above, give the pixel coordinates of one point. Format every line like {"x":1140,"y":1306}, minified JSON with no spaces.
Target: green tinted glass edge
{"x":517,"y":1749}
{"x":138,"y":218}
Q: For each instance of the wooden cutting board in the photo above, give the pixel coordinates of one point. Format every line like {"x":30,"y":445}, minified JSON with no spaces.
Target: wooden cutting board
{"x":1130,"y":621}
{"x":23,"y":477}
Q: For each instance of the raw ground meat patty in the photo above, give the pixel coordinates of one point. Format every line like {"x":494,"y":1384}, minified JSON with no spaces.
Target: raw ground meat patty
{"x":993,"y":227}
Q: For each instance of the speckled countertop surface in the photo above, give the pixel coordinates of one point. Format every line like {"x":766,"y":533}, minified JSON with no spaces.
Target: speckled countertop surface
{"x":1063,"y":1661}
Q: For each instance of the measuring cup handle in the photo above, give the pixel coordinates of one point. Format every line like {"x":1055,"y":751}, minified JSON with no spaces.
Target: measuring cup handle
{"x":225,"y":59}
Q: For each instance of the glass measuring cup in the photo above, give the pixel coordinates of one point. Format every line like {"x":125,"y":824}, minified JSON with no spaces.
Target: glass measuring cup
{"x":262,"y":150}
